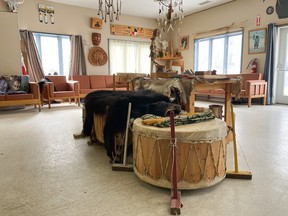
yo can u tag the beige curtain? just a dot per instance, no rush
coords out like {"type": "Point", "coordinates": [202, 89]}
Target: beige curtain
{"type": "Point", "coordinates": [129, 56]}
{"type": "Point", "coordinates": [77, 61]}
{"type": "Point", "coordinates": [34, 66]}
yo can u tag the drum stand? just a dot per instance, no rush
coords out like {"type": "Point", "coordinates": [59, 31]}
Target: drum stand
{"type": "Point", "coordinates": [124, 166]}
{"type": "Point", "coordinates": [236, 174]}
{"type": "Point", "coordinates": [175, 202]}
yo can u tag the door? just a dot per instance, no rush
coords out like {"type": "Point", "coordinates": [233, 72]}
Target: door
{"type": "Point", "coordinates": [282, 66]}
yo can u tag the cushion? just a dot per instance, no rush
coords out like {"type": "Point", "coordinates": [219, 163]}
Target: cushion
{"type": "Point", "coordinates": [84, 81]}
{"type": "Point", "coordinates": [60, 82]}
{"type": "Point", "coordinates": [25, 83]}
{"type": "Point", "coordinates": [14, 83]}
{"type": "Point", "coordinates": [109, 81]}
{"type": "Point", "coordinates": [97, 81]}
{"type": "Point", "coordinates": [4, 80]}
{"type": "Point", "coordinates": [16, 92]}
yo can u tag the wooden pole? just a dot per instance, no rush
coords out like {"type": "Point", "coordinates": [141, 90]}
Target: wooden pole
{"type": "Point", "coordinates": [236, 174]}
{"type": "Point", "coordinates": [124, 166]}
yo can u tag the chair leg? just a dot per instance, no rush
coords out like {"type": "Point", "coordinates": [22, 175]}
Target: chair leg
{"type": "Point", "coordinates": [49, 104]}
{"type": "Point", "coordinates": [39, 104]}
{"type": "Point", "coordinates": [249, 101]}
{"type": "Point", "coordinates": [42, 101]}
{"type": "Point", "coordinates": [264, 100]}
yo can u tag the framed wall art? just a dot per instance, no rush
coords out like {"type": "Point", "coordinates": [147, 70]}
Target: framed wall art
{"type": "Point", "coordinates": [184, 42]}
{"type": "Point", "coordinates": [96, 23]}
{"type": "Point", "coordinates": [132, 31]}
{"type": "Point", "coordinates": [257, 41]}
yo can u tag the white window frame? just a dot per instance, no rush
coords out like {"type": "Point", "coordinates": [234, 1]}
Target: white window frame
{"type": "Point", "coordinates": [226, 48]}
{"type": "Point", "coordinates": [37, 37]}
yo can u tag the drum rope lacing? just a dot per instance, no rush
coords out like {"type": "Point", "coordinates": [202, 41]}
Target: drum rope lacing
{"type": "Point", "coordinates": [182, 178]}
{"type": "Point", "coordinates": [208, 140]}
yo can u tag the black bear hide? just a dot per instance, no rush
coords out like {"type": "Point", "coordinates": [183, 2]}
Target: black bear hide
{"type": "Point", "coordinates": [114, 104]}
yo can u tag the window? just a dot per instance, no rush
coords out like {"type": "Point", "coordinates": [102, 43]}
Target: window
{"type": "Point", "coordinates": [54, 51]}
{"type": "Point", "coordinates": [129, 56]}
{"type": "Point", "coordinates": [221, 53]}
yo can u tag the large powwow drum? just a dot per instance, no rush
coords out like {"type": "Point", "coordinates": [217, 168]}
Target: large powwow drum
{"type": "Point", "coordinates": [201, 154]}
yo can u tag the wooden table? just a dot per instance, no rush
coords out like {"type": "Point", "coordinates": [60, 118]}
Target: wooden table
{"type": "Point", "coordinates": [226, 85]}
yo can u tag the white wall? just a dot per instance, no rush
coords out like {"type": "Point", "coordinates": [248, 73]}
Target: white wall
{"type": "Point", "coordinates": [237, 12]}
{"type": "Point", "coordinates": [76, 21]}
{"type": "Point", "coordinates": [10, 56]}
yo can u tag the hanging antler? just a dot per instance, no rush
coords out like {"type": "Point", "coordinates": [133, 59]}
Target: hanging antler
{"type": "Point", "coordinates": [13, 4]}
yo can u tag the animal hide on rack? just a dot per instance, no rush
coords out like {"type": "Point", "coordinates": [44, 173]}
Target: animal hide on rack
{"type": "Point", "coordinates": [181, 88]}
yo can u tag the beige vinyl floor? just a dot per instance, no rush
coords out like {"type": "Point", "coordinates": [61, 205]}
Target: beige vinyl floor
{"type": "Point", "coordinates": [44, 171]}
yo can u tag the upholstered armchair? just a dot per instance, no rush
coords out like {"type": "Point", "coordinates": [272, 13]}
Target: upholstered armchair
{"type": "Point", "coordinates": [59, 87]}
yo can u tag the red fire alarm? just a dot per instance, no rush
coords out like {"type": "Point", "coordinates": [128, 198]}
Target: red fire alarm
{"type": "Point", "coordinates": [258, 20]}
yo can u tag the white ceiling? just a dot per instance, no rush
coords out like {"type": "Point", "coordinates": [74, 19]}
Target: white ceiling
{"type": "Point", "coordinates": [148, 8]}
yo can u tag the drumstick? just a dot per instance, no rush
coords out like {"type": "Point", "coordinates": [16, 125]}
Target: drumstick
{"type": "Point", "coordinates": [175, 202]}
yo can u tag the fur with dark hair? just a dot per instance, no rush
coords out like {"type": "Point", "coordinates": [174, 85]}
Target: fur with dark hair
{"type": "Point", "coordinates": [114, 104]}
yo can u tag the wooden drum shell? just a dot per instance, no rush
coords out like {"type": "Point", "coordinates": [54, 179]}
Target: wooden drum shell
{"type": "Point", "coordinates": [201, 154]}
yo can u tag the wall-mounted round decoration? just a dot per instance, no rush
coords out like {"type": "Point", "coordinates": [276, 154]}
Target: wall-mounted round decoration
{"type": "Point", "coordinates": [97, 56]}
{"type": "Point", "coordinates": [270, 10]}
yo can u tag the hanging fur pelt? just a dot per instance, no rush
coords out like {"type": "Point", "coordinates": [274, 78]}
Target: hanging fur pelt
{"type": "Point", "coordinates": [114, 104]}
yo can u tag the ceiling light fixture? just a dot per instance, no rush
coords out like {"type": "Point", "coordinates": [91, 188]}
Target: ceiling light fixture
{"type": "Point", "coordinates": [170, 13]}
{"type": "Point", "coordinates": [108, 9]}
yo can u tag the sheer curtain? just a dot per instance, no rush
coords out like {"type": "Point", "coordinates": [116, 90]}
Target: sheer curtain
{"type": "Point", "coordinates": [129, 56]}
{"type": "Point", "coordinates": [34, 67]}
{"type": "Point", "coordinates": [77, 61]}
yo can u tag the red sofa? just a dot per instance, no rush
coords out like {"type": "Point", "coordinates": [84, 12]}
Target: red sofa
{"type": "Point", "coordinates": [253, 86]}
{"type": "Point", "coordinates": [19, 95]}
{"type": "Point", "coordinates": [90, 83]}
